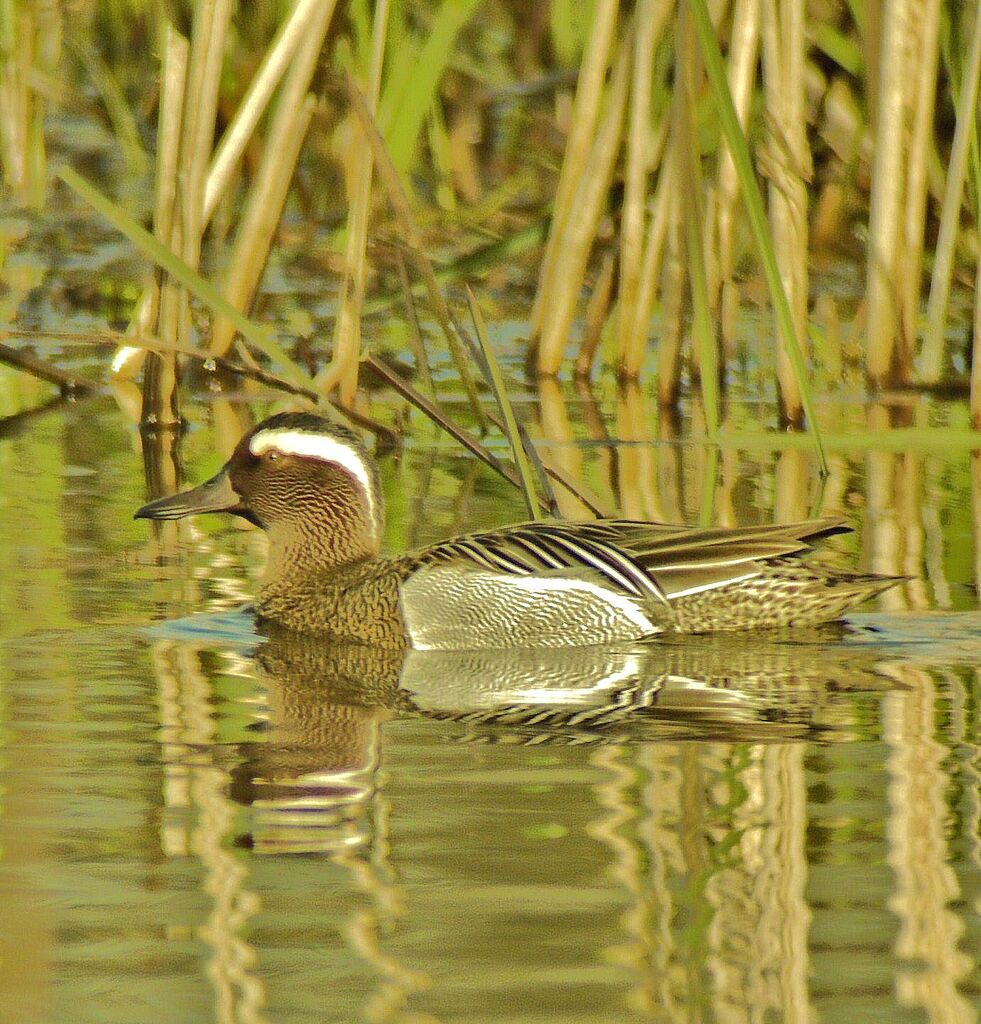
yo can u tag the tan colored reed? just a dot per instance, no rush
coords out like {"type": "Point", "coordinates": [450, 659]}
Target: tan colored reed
{"type": "Point", "coordinates": [788, 166]}
{"type": "Point", "coordinates": [268, 192]}
{"type": "Point", "coordinates": [582, 128]}
{"type": "Point", "coordinates": [343, 370]}
{"type": "Point", "coordinates": [744, 39]}
{"type": "Point", "coordinates": [302, 20]}
{"type": "Point", "coordinates": [634, 344]}
{"type": "Point", "coordinates": [924, 61]}
{"type": "Point", "coordinates": [651, 18]}
{"type": "Point", "coordinates": [575, 242]}
{"type": "Point", "coordinates": [888, 189]}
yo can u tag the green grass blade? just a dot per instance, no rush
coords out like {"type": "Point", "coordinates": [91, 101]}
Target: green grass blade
{"type": "Point", "coordinates": [259, 337]}
{"type": "Point", "coordinates": [410, 108]}
{"type": "Point", "coordinates": [521, 460]}
{"type": "Point", "coordinates": [753, 199]}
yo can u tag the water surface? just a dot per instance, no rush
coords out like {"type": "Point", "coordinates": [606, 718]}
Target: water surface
{"type": "Point", "coordinates": [198, 823]}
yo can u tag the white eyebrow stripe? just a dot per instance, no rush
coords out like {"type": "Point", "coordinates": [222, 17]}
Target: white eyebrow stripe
{"type": "Point", "coordinates": [324, 448]}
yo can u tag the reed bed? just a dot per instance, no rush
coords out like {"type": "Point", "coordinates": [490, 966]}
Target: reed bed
{"type": "Point", "coordinates": [652, 164]}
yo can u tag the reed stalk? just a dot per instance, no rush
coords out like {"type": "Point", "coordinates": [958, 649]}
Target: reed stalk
{"type": "Point", "coordinates": [744, 38]}
{"type": "Point", "coordinates": [754, 207]}
{"type": "Point", "coordinates": [199, 103]}
{"type": "Point", "coordinates": [675, 273]}
{"type": "Point", "coordinates": [595, 317]}
{"type": "Point", "coordinates": [415, 331]}
{"type": "Point", "coordinates": [943, 265]}
{"type": "Point", "coordinates": [631, 354]}
{"type": "Point", "coordinates": [925, 63]}
{"type": "Point", "coordinates": [888, 189]}
{"type": "Point", "coordinates": [582, 128]}
{"type": "Point", "coordinates": [343, 370]}
{"type": "Point", "coordinates": [267, 195]}
{"type": "Point", "coordinates": [651, 19]}
{"type": "Point", "coordinates": [788, 166]}
{"type": "Point", "coordinates": [576, 239]}
{"type": "Point", "coordinates": [198, 126]}
{"type": "Point", "coordinates": [160, 307]}
{"type": "Point", "coordinates": [21, 109]}
{"type": "Point", "coordinates": [302, 20]}
{"type": "Point", "coordinates": [128, 359]}
{"type": "Point", "coordinates": [690, 162]}
{"type": "Point", "coordinates": [975, 400]}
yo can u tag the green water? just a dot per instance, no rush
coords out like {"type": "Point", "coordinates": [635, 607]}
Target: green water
{"type": "Point", "coordinates": [196, 826]}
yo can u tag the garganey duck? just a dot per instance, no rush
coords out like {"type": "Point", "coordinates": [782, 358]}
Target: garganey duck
{"type": "Point", "coordinates": [312, 486]}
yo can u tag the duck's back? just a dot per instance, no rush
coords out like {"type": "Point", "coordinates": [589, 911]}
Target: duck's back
{"type": "Point", "coordinates": [552, 584]}
{"type": "Point", "coordinates": [556, 584]}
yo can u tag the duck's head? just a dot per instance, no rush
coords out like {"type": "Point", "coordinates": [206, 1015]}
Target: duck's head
{"type": "Point", "coordinates": [307, 481]}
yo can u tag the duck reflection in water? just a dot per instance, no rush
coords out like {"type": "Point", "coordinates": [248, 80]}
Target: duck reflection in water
{"type": "Point", "coordinates": [312, 773]}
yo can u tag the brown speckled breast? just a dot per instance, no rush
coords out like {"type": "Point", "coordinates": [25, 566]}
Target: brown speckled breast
{"type": "Point", "coordinates": [354, 602]}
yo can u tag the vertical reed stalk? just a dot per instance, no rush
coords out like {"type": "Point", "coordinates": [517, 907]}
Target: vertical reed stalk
{"type": "Point", "coordinates": [924, 62]}
{"type": "Point", "coordinates": [744, 40]}
{"type": "Point", "coordinates": [753, 201]}
{"type": "Point", "coordinates": [888, 186]}
{"type": "Point", "coordinates": [16, 38]}
{"type": "Point", "coordinates": [343, 370]}
{"type": "Point", "coordinates": [943, 266]}
{"type": "Point", "coordinates": [127, 360]}
{"type": "Point", "coordinates": [673, 285]}
{"type": "Point", "coordinates": [631, 356]}
{"type": "Point", "coordinates": [582, 127]}
{"type": "Point", "coordinates": [690, 162]}
{"type": "Point", "coordinates": [651, 17]}
{"type": "Point", "coordinates": [788, 166]}
{"type": "Point", "coordinates": [267, 196]}
{"type": "Point", "coordinates": [158, 309]}
{"type": "Point", "coordinates": [200, 108]}
{"type": "Point", "coordinates": [976, 362]}
{"type": "Point", "coordinates": [579, 231]}
{"type": "Point", "coordinates": [596, 312]}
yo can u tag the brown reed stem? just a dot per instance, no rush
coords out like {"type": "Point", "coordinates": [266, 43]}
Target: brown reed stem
{"type": "Point", "coordinates": [67, 383]}
{"type": "Point", "coordinates": [597, 309]}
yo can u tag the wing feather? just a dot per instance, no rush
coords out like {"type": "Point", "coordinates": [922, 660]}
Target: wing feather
{"type": "Point", "coordinates": [653, 561]}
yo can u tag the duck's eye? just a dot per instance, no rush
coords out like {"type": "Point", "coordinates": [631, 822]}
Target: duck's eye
{"type": "Point", "coordinates": [272, 456]}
